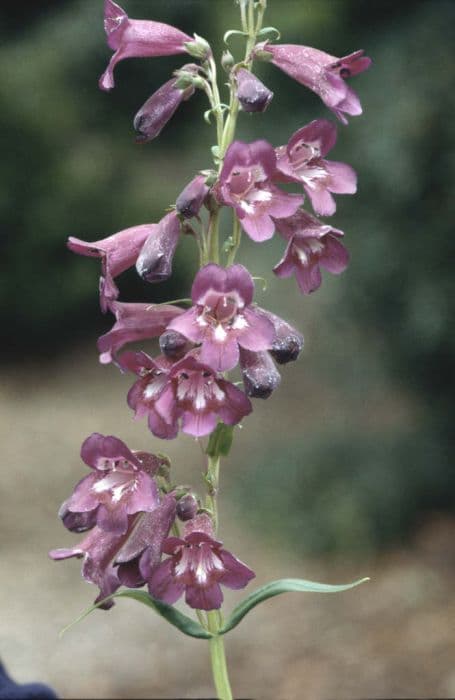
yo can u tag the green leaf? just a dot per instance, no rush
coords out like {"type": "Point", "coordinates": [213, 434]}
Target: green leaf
{"type": "Point", "coordinates": [270, 30]}
{"type": "Point", "coordinates": [233, 32]}
{"type": "Point", "coordinates": [220, 441]}
{"type": "Point", "coordinates": [184, 623]}
{"type": "Point", "coordinates": [284, 585]}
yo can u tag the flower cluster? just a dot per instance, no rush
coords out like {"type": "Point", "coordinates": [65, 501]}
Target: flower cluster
{"type": "Point", "coordinates": [128, 503]}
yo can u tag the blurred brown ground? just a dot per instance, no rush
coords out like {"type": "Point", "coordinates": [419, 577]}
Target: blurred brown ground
{"type": "Point", "coordinates": [392, 637]}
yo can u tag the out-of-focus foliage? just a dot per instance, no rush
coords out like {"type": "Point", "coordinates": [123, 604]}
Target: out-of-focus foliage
{"type": "Point", "coordinates": [70, 167]}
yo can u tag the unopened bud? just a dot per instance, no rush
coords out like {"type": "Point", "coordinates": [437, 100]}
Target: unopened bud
{"type": "Point", "coordinates": [154, 263]}
{"type": "Point", "coordinates": [260, 376]}
{"type": "Point", "coordinates": [253, 95]}
{"type": "Point", "coordinates": [288, 342]}
{"type": "Point", "coordinates": [227, 61]}
{"type": "Point", "coordinates": [187, 507]}
{"type": "Point", "coordinates": [77, 522]}
{"type": "Point", "coordinates": [173, 344]}
{"type": "Point", "coordinates": [190, 200]}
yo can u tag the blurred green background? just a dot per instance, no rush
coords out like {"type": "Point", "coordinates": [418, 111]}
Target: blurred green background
{"type": "Point", "coordinates": [351, 457]}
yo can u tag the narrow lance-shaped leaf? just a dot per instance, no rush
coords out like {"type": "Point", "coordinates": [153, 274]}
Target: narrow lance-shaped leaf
{"type": "Point", "coordinates": [184, 623]}
{"type": "Point", "coordinates": [284, 585]}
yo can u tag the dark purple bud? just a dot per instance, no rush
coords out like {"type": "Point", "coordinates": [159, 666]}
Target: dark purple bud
{"type": "Point", "coordinates": [260, 376]}
{"type": "Point", "coordinates": [159, 109]}
{"type": "Point", "coordinates": [77, 522]}
{"type": "Point", "coordinates": [154, 263]}
{"type": "Point", "coordinates": [187, 507]}
{"type": "Point", "coordinates": [190, 200]}
{"type": "Point", "coordinates": [253, 95]}
{"type": "Point", "coordinates": [173, 344]}
{"type": "Point", "coordinates": [288, 341]}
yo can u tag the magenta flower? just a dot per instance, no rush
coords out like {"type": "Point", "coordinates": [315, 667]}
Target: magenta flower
{"type": "Point", "coordinates": [161, 107]}
{"type": "Point", "coordinates": [154, 263]}
{"type": "Point", "coordinates": [260, 376]}
{"type": "Point", "coordinates": [322, 73]}
{"type": "Point", "coordinates": [246, 185]}
{"type": "Point", "coordinates": [132, 38]}
{"type": "Point", "coordinates": [311, 245]}
{"type": "Point", "coordinates": [302, 160]}
{"type": "Point", "coordinates": [121, 484]}
{"type": "Point", "coordinates": [223, 317]}
{"type": "Point", "coordinates": [134, 322]}
{"type": "Point", "coordinates": [117, 252]}
{"type": "Point", "coordinates": [198, 565]}
{"type": "Point", "coordinates": [191, 198]}
{"type": "Point", "coordinates": [252, 94]}
{"type": "Point", "coordinates": [112, 560]}
{"type": "Point", "coordinates": [187, 393]}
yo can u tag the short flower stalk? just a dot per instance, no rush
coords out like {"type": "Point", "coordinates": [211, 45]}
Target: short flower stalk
{"type": "Point", "coordinates": [141, 529]}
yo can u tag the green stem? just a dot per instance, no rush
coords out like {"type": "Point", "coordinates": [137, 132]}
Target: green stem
{"type": "Point", "coordinates": [236, 238]}
{"type": "Point", "coordinates": [218, 658]}
{"type": "Point", "coordinates": [213, 236]}
{"type": "Point", "coordinates": [213, 475]}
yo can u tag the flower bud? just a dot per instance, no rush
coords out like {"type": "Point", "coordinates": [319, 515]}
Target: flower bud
{"type": "Point", "coordinates": [187, 507]}
{"type": "Point", "coordinates": [191, 198]}
{"type": "Point", "coordinates": [154, 263]}
{"type": "Point", "coordinates": [173, 344]}
{"type": "Point", "coordinates": [288, 341]}
{"type": "Point", "coordinates": [160, 107]}
{"type": "Point", "coordinates": [260, 376]}
{"type": "Point", "coordinates": [227, 61]}
{"type": "Point", "coordinates": [253, 95]}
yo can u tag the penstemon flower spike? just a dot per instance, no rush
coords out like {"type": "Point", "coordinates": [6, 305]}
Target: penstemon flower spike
{"type": "Point", "coordinates": [142, 529]}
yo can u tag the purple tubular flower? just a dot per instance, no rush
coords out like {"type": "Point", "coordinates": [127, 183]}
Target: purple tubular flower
{"type": "Point", "coordinates": [253, 95]}
{"type": "Point", "coordinates": [99, 550]}
{"type": "Point", "coordinates": [223, 317]}
{"type": "Point", "coordinates": [159, 109]}
{"type": "Point", "coordinates": [288, 341]}
{"type": "Point", "coordinates": [154, 263]}
{"type": "Point", "coordinates": [134, 322]}
{"type": "Point", "coordinates": [131, 38]}
{"type": "Point", "coordinates": [191, 198]}
{"type": "Point", "coordinates": [187, 392]}
{"type": "Point", "coordinates": [302, 160]}
{"type": "Point", "coordinates": [117, 252]}
{"type": "Point", "coordinates": [246, 185]}
{"type": "Point", "coordinates": [311, 245]}
{"type": "Point", "coordinates": [260, 376]}
{"type": "Point", "coordinates": [113, 560]}
{"type": "Point", "coordinates": [198, 565]}
{"type": "Point", "coordinates": [322, 73]}
{"type": "Point", "coordinates": [121, 485]}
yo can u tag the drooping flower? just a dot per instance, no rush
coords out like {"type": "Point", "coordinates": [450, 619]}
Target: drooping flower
{"type": "Point", "coordinates": [154, 263]}
{"type": "Point", "coordinates": [117, 252]}
{"type": "Point", "coordinates": [302, 160]}
{"type": "Point", "coordinates": [131, 38]}
{"type": "Point", "coordinates": [161, 107]}
{"type": "Point", "coordinates": [322, 73]}
{"type": "Point", "coordinates": [134, 322]}
{"type": "Point", "coordinates": [112, 560]}
{"type": "Point", "coordinates": [246, 185]}
{"type": "Point", "coordinates": [252, 94]}
{"type": "Point", "coordinates": [191, 198]}
{"type": "Point", "coordinates": [288, 341]}
{"type": "Point", "coordinates": [260, 376]}
{"type": "Point", "coordinates": [223, 317]}
{"type": "Point", "coordinates": [120, 485]}
{"type": "Point", "coordinates": [197, 565]}
{"type": "Point", "coordinates": [187, 393]}
{"type": "Point", "coordinates": [311, 245]}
